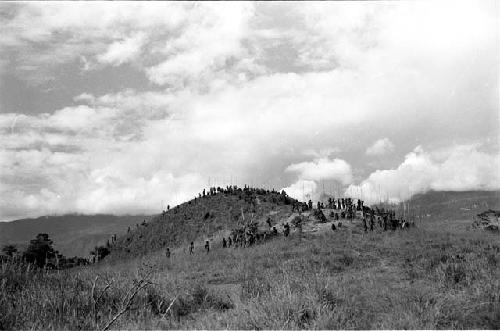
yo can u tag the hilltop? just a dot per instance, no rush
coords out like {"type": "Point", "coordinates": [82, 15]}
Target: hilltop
{"type": "Point", "coordinates": [206, 217]}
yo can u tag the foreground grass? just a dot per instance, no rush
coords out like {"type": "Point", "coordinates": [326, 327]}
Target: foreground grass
{"type": "Point", "coordinates": [436, 276]}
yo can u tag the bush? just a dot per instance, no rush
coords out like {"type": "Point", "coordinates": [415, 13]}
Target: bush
{"type": "Point", "coordinates": [39, 250]}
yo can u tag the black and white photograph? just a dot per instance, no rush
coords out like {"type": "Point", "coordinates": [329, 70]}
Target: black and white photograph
{"type": "Point", "coordinates": [261, 165]}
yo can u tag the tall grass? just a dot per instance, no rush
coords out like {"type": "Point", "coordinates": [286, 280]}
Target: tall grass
{"type": "Point", "coordinates": [427, 277]}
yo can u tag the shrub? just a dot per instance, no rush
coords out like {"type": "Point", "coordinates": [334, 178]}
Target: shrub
{"type": "Point", "coordinates": [39, 250]}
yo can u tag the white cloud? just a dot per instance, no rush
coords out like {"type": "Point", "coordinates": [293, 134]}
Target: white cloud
{"type": "Point", "coordinates": [458, 168]}
{"type": "Point", "coordinates": [214, 35]}
{"type": "Point", "coordinates": [123, 51]}
{"type": "Point", "coordinates": [323, 169]}
{"type": "Point", "coordinates": [254, 88]}
{"type": "Point", "coordinates": [318, 170]}
{"type": "Point", "coordinates": [380, 147]}
{"type": "Point", "coordinates": [302, 190]}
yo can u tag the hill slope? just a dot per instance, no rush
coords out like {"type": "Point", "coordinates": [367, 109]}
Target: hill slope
{"type": "Point", "coordinates": [72, 234]}
{"type": "Point", "coordinates": [205, 218]}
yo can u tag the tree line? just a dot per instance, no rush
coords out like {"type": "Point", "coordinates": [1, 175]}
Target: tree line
{"type": "Point", "coordinates": [40, 253]}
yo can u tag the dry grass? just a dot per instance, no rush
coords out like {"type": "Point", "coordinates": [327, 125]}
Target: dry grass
{"type": "Point", "coordinates": [436, 276]}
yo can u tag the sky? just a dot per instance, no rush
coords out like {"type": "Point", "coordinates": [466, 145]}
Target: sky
{"type": "Point", "coordinates": [125, 107]}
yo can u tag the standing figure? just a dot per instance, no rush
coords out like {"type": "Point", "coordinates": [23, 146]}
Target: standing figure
{"type": "Point", "coordinates": [286, 231]}
{"type": "Point", "coordinates": [224, 243]}
{"type": "Point", "coordinates": [191, 248]}
{"type": "Point", "coordinates": [364, 224]}
{"type": "Point", "coordinates": [167, 253]}
{"type": "Point", "coordinates": [229, 242]}
{"type": "Point", "coordinates": [207, 246]}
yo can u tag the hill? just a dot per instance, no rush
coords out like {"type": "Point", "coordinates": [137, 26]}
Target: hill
{"type": "Point", "coordinates": [437, 275]}
{"type": "Point", "coordinates": [450, 205]}
{"type": "Point", "coordinates": [207, 217]}
{"type": "Point", "coordinates": [73, 235]}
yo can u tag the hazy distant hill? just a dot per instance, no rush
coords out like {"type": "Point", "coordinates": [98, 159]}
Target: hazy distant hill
{"type": "Point", "coordinates": [72, 234]}
{"type": "Point", "coordinates": [454, 205]}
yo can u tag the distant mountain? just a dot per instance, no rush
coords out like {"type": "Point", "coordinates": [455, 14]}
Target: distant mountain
{"type": "Point", "coordinates": [454, 205]}
{"type": "Point", "coordinates": [73, 235]}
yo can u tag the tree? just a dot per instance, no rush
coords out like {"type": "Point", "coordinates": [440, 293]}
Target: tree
{"type": "Point", "coordinates": [40, 250]}
{"type": "Point", "coordinates": [9, 250]}
{"type": "Point", "coordinates": [100, 252]}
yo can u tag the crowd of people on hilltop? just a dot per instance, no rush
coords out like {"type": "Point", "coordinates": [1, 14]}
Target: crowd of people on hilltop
{"type": "Point", "coordinates": [246, 193]}
{"type": "Point", "coordinates": [250, 234]}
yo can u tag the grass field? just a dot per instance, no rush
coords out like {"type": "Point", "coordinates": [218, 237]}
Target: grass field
{"type": "Point", "coordinates": [435, 276]}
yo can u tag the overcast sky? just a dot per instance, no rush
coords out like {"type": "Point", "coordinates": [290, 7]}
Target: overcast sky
{"type": "Point", "coordinates": [120, 107]}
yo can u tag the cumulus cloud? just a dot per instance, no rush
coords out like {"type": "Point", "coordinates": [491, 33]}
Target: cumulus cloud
{"type": "Point", "coordinates": [123, 51]}
{"type": "Point", "coordinates": [320, 170]}
{"type": "Point", "coordinates": [380, 147]}
{"type": "Point", "coordinates": [240, 88]}
{"type": "Point", "coordinates": [458, 168]}
{"type": "Point", "coordinates": [302, 190]}
{"type": "Point", "coordinates": [214, 36]}
{"type": "Point", "coordinates": [323, 169]}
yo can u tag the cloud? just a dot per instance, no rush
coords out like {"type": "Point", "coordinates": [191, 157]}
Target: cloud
{"type": "Point", "coordinates": [123, 51]}
{"type": "Point", "coordinates": [302, 190]}
{"type": "Point", "coordinates": [41, 38]}
{"type": "Point", "coordinates": [212, 38]}
{"type": "Point", "coordinates": [380, 147]}
{"type": "Point", "coordinates": [323, 169]}
{"type": "Point", "coordinates": [246, 89]}
{"type": "Point", "coordinates": [457, 168]}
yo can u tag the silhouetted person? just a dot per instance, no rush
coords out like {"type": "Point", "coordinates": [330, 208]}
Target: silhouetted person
{"type": "Point", "coordinates": [333, 227]}
{"type": "Point", "coordinates": [224, 243]}
{"type": "Point", "coordinates": [167, 253]}
{"type": "Point", "coordinates": [229, 242]}
{"type": "Point", "coordinates": [207, 246]}
{"type": "Point", "coordinates": [191, 248]}
{"type": "Point", "coordinates": [286, 231]}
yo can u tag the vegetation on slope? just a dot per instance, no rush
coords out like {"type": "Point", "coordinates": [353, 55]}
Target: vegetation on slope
{"type": "Point", "coordinates": [436, 276]}
{"type": "Point", "coordinates": [202, 218]}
